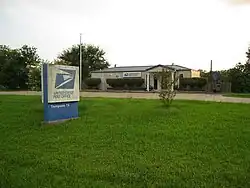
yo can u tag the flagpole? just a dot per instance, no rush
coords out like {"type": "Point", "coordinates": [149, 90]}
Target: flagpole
{"type": "Point", "coordinates": [80, 69]}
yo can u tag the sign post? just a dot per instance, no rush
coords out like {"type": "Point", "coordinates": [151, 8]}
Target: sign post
{"type": "Point", "coordinates": [60, 92]}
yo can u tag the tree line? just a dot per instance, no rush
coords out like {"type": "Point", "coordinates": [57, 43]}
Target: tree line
{"type": "Point", "coordinates": [239, 76]}
{"type": "Point", "coordinates": [20, 68]}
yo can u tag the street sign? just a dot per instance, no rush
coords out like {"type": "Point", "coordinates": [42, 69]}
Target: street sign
{"type": "Point", "coordinates": [215, 76]}
{"type": "Point", "coordinates": [60, 92]}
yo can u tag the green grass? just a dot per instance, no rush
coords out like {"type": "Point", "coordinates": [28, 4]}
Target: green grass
{"type": "Point", "coordinates": [238, 95]}
{"type": "Point", "coordinates": [125, 143]}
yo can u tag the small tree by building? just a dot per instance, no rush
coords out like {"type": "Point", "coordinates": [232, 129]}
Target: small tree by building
{"type": "Point", "coordinates": [167, 81]}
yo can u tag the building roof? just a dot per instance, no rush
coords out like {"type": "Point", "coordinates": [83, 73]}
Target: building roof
{"type": "Point", "coordinates": [140, 68]}
{"type": "Point", "coordinates": [178, 67]}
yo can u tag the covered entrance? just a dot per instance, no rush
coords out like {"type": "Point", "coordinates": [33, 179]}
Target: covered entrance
{"type": "Point", "coordinates": [152, 81]}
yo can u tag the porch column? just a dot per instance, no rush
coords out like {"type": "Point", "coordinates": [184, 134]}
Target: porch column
{"type": "Point", "coordinates": [103, 85]}
{"type": "Point", "coordinates": [159, 83]}
{"type": "Point", "coordinates": [178, 81]}
{"type": "Point", "coordinates": [172, 79]}
{"type": "Point", "coordinates": [148, 81]}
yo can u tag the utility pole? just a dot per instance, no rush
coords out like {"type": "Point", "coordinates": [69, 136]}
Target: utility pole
{"type": "Point", "coordinates": [211, 76]}
{"type": "Point", "coordinates": [211, 66]}
{"type": "Point", "coordinates": [80, 69]}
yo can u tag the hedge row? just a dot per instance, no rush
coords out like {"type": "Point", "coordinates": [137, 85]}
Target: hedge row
{"type": "Point", "coordinates": [125, 82]}
{"type": "Point", "coordinates": [2, 88]}
{"type": "Point", "coordinates": [92, 82]}
{"type": "Point", "coordinates": [192, 83]}
{"type": "Point", "coordinates": [133, 83]}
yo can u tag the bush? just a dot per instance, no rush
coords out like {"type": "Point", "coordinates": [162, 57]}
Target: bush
{"type": "Point", "coordinates": [2, 88]}
{"type": "Point", "coordinates": [167, 93]}
{"type": "Point", "coordinates": [34, 79]}
{"type": "Point", "coordinates": [134, 82]}
{"type": "Point", "coordinates": [115, 83]}
{"type": "Point", "coordinates": [125, 83]}
{"type": "Point", "coordinates": [92, 82]}
{"type": "Point", "coordinates": [192, 83]}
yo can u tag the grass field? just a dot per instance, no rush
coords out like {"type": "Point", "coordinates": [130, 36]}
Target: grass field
{"type": "Point", "coordinates": [238, 95]}
{"type": "Point", "coordinates": [125, 143]}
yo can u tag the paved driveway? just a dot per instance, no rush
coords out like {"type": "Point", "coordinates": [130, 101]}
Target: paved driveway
{"type": "Point", "coordinates": [185, 96]}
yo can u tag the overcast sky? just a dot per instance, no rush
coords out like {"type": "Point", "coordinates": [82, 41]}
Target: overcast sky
{"type": "Point", "coordinates": [133, 32]}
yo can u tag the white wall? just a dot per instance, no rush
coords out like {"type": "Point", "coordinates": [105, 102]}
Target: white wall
{"type": "Point", "coordinates": [186, 73]}
{"type": "Point", "coordinates": [114, 75]}
{"type": "Point", "coordinates": [195, 73]}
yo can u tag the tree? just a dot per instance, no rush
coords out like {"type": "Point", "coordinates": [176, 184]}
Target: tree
{"type": "Point", "coordinates": [239, 77]}
{"type": "Point", "coordinates": [34, 78]}
{"type": "Point", "coordinates": [247, 65]}
{"type": "Point", "coordinates": [204, 73]}
{"type": "Point", "coordinates": [30, 60]}
{"type": "Point", "coordinates": [15, 65]}
{"type": "Point", "coordinates": [92, 56]}
{"type": "Point", "coordinates": [167, 92]}
{"type": "Point", "coordinates": [10, 68]}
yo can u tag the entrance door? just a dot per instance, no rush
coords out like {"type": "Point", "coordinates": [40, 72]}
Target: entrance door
{"type": "Point", "coordinates": [155, 83]}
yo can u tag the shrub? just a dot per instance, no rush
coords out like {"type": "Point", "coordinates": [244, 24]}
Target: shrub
{"type": "Point", "coordinates": [192, 83]}
{"type": "Point", "coordinates": [34, 78]}
{"type": "Point", "coordinates": [136, 82]}
{"type": "Point", "coordinates": [125, 83]}
{"type": "Point", "coordinates": [2, 88]}
{"type": "Point", "coordinates": [92, 82]}
{"type": "Point", "coordinates": [167, 93]}
{"type": "Point", "coordinates": [116, 83]}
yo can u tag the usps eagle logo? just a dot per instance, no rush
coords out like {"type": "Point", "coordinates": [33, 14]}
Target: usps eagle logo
{"type": "Point", "coordinates": [65, 79]}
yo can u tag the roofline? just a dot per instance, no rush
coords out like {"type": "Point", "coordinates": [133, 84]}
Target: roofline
{"type": "Point", "coordinates": [187, 69]}
{"type": "Point", "coordinates": [134, 66]}
{"type": "Point", "coordinates": [163, 66]}
{"type": "Point", "coordinates": [152, 67]}
{"type": "Point", "coordinates": [184, 68]}
{"type": "Point", "coordinates": [100, 71]}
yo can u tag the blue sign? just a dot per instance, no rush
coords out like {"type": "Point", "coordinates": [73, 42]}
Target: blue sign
{"type": "Point", "coordinates": [60, 92]}
{"type": "Point", "coordinates": [215, 76]}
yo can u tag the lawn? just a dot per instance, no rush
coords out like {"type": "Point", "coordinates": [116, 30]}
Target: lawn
{"type": "Point", "coordinates": [238, 95]}
{"type": "Point", "coordinates": [125, 143]}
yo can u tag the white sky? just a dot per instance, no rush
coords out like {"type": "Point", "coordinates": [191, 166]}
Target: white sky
{"type": "Point", "coordinates": [133, 32]}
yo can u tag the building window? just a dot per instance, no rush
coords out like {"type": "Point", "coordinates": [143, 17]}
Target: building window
{"type": "Point", "coordinates": [181, 76]}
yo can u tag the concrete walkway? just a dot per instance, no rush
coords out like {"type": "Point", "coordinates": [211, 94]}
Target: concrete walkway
{"type": "Point", "coordinates": [185, 96]}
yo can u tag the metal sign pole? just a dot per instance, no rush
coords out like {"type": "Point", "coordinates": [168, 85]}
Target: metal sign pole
{"type": "Point", "coordinates": [211, 77]}
{"type": "Point", "coordinates": [80, 68]}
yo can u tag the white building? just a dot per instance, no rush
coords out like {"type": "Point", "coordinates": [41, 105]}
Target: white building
{"type": "Point", "coordinates": [144, 72]}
